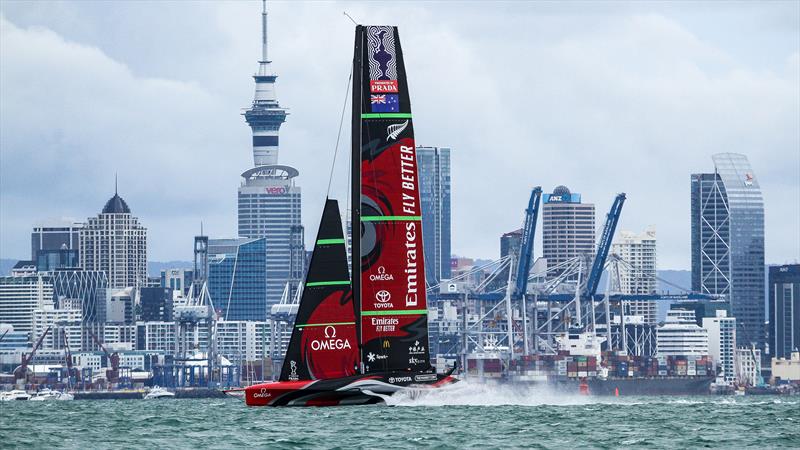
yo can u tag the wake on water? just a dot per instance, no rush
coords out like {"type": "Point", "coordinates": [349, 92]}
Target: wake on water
{"type": "Point", "coordinates": [466, 393]}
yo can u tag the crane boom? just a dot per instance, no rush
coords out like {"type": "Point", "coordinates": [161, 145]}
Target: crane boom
{"type": "Point", "coordinates": [604, 245]}
{"type": "Point", "coordinates": [526, 243]}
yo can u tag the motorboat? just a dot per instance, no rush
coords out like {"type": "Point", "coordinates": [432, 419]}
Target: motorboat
{"type": "Point", "coordinates": [48, 394]}
{"type": "Point", "coordinates": [16, 394]}
{"type": "Point", "coordinates": [158, 392]}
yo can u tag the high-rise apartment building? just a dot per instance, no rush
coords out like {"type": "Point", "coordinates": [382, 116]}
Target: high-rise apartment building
{"type": "Point", "coordinates": [784, 310]}
{"type": "Point", "coordinates": [237, 278]}
{"type": "Point", "coordinates": [55, 244]}
{"type": "Point", "coordinates": [568, 227]}
{"type": "Point", "coordinates": [268, 199]}
{"type": "Point", "coordinates": [722, 343]}
{"type": "Point", "coordinates": [116, 243]}
{"type": "Point", "coordinates": [727, 218]}
{"type": "Point", "coordinates": [21, 296]}
{"type": "Point", "coordinates": [433, 164]}
{"type": "Point", "coordinates": [638, 276]}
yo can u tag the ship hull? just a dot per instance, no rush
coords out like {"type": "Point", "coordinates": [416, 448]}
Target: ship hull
{"type": "Point", "coordinates": [645, 386]}
{"type": "Point", "coordinates": [355, 390]}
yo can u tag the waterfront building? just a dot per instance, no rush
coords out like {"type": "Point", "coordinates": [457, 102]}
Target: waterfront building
{"type": "Point", "coordinates": [722, 343]}
{"type": "Point", "coordinates": [22, 295]}
{"type": "Point", "coordinates": [156, 336]}
{"type": "Point", "coordinates": [433, 165]}
{"type": "Point", "coordinates": [237, 278]}
{"type": "Point", "coordinates": [55, 319]}
{"type": "Point", "coordinates": [237, 340]}
{"type": "Point", "coordinates": [681, 336]}
{"type": "Point", "coordinates": [119, 337]}
{"type": "Point", "coordinates": [748, 366]}
{"type": "Point", "coordinates": [177, 279]}
{"type": "Point", "coordinates": [269, 201]}
{"type": "Point", "coordinates": [156, 304]}
{"type": "Point", "coordinates": [727, 222]}
{"type": "Point", "coordinates": [784, 310]}
{"type": "Point", "coordinates": [568, 228]}
{"type": "Point", "coordinates": [116, 243]}
{"type": "Point", "coordinates": [787, 369]}
{"type": "Point", "coordinates": [639, 275]}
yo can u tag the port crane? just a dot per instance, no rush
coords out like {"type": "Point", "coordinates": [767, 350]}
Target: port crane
{"type": "Point", "coordinates": [112, 374]}
{"type": "Point", "coordinates": [21, 372]}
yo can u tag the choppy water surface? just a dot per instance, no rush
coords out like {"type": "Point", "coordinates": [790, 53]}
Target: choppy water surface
{"type": "Point", "coordinates": [462, 416]}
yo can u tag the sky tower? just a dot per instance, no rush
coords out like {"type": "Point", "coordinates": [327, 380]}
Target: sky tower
{"type": "Point", "coordinates": [268, 200]}
{"type": "Point", "coordinates": [265, 116]}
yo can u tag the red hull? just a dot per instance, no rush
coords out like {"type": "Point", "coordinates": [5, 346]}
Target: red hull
{"type": "Point", "coordinates": [355, 390]}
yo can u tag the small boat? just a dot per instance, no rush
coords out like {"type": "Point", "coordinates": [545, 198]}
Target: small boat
{"type": "Point", "coordinates": [158, 392]}
{"type": "Point", "coordinates": [48, 394]}
{"type": "Point", "coordinates": [357, 340]}
{"type": "Point", "coordinates": [15, 394]}
{"type": "Point", "coordinates": [45, 395]}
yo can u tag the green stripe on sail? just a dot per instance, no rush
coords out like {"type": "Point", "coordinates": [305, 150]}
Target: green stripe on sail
{"type": "Point", "coordinates": [402, 312]}
{"type": "Point", "coordinates": [330, 324]}
{"type": "Point", "coordinates": [330, 241]}
{"type": "Point", "coordinates": [390, 218]}
{"type": "Point", "coordinates": [386, 115]}
{"type": "Point", "coordinates": [327, 283]}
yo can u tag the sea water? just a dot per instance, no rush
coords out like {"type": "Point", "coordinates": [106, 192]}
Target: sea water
{"type": "Point", "coordinates": [461, 416]}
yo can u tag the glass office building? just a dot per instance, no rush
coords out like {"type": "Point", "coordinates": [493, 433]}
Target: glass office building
{"type": "Point", "coordinates": [433, 164]}
{"type": "Point", "coordinates": [727, 214]}
{"type": "Point", "coordinates": [784, 310]}
{"type": "Point", "coordinates": [237, 278]}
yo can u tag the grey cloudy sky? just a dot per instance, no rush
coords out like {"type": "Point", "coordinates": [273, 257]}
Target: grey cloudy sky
{"type": "Point", "coordinates": [603, 97]}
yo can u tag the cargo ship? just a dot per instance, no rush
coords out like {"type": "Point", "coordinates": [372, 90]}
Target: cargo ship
{"type": "Point", "coordinates": [597, 373]}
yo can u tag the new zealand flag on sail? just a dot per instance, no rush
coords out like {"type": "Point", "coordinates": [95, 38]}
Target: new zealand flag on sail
{"type": "Point", "coordinates": [385, 103]}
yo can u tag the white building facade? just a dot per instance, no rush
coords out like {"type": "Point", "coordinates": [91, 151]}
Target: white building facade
{"type": "Point", "coordinates": [639, 275]}
{"type": "Point", "coordinates": [722, 343]}
{"type": "Point", "coordinates": [21, 296]}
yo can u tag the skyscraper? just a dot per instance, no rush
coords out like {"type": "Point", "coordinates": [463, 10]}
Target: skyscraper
{"type": "Point", "coordinates": [55, 244]}
{"type": "Point", "coordinates": [268, 199]}
{"type": "Point", "coordinates": [784, 310]}
{"type": "Point", "coordinates": [21, 296]}
{"type": "Point", "coordinates": [434, 185]}
{"type": "Point", "coordinates": [237, 278]}
{"type": "Point", "coordinates": [567, 227]}
{"type": "Point", "coordinates": [727, 214]}
{"type": "Point", "coordinates": [638, 250]}
{"type": "Point", "coordinates": [116, 243]}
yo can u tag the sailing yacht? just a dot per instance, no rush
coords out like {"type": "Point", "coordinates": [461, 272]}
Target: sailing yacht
{"type": "Point", "coordinates": [357, 340]}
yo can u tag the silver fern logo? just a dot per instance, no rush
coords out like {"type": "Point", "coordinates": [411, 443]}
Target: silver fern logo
{"type": "Point", "coordinates": [394, 130]}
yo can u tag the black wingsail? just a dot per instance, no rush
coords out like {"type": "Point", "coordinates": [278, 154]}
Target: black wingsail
{"type": "Point", "coordinates": [389, 282]}
{"type": "Point", "coordinates": [324, 343]}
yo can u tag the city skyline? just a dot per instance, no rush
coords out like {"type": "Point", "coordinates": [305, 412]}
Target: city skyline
{"type": "Point", "coordinates": [745, 100]}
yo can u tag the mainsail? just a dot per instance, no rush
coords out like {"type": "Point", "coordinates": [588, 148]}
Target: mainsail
{"type": "Point", "coordinates": [389, 282]}
{"type": "Point", "coordinates": [323, 343]}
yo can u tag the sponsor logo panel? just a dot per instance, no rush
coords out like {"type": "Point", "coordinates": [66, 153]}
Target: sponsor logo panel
{"type": "Point", "coordinates": [393, 380]}
{"type": "Point", "coordinates": [425, 377]}
{"type": "Point", "coordinates": [383, 86]}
